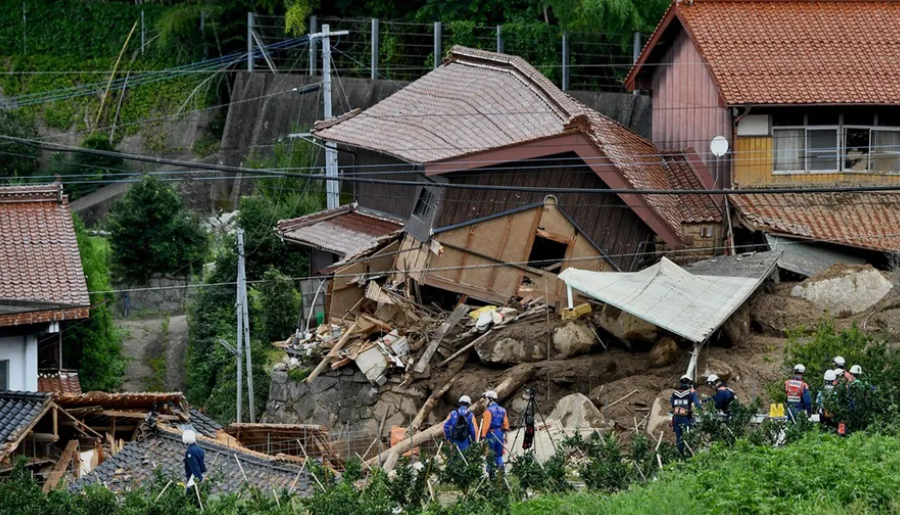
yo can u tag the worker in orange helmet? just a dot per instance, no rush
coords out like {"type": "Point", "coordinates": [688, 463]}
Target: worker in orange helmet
{"type": "Point", "coordinates": [494, 427]}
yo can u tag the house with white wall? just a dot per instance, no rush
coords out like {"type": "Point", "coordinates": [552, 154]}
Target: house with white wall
{"type": "Point", "coordinates": [42, 283]}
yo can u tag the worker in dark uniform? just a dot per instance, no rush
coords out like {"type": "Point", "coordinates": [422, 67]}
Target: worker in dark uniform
{"type": "Point", "coordinates": [723, 397]}
{"type": "Point", "coordinates": [683, 401]}
{"type": "Point", "coordinates": [194, 463]}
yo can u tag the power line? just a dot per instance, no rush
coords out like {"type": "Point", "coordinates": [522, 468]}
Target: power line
{"type": "Point", "coordinates": [482, 187]}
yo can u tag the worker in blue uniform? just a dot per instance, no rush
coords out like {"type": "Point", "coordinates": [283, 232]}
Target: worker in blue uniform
{"type": "Point", "coordinates": [723, 396]}
{"type": "Point", "coordinates": [494, 427]}
{"type": "Point", "coordinates": [459, 428]}
{"type": "Point", "coordinates": [684, 400]}
{"type": "Point", "coordinates": [194, 462]}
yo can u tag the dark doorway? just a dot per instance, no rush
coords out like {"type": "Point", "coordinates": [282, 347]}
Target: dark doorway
{"type": "Point", "coordinates": [546, 252]}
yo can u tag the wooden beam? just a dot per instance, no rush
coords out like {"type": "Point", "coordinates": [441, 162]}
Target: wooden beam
{"type": "Point", "coordinates": [466, 348]}
{"type": "Point", "coordinates": [79, 424]}
{"type": "Point", "coordinates": [334, 352]}
{"type": "Point", "coordinates": [439, 335]}
{"type": "Point", "coordinates": [61, 465]}
{"type": "Point", "coordinates": [43, 437]}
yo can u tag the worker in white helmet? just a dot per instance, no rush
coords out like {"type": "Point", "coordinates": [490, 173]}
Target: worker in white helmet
{"type": "Point", "coordinates": [494, 427]}
{"type": "Point", "coordinates": [723, 396]}
{"type": "Point", "coordinates": [459, 428]}
{"type": "Point", "coordinates": [194, 461]}
{"type": "Point", "coordinates": [840, 370]}
{"type": "Point", "coordinates": [683, 401]}
{"type": "Point", "coordinates": [799, 400]}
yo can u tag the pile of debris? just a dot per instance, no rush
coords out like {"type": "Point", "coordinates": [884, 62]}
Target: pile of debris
{"type": "Point", "coordinates": [393, 334]}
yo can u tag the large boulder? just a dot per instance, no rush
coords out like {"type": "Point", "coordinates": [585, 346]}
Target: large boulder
{"type": "Point", "coordinates": [573, 339]}
{"type": "Point", "coordinates": [626, 327]}
{"type": "Point", "coordinates": [844, 290]}
{"type": "Point", "coordinates": [737, 327]}
{"type": "Point", "coordinates": [664, 352]}
{"type": "Point", "coordinates": [508, 350]}
{"type": "Point", "coordinates": [576, 411]}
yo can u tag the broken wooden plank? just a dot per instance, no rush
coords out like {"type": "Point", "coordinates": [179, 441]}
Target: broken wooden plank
{"type": "Point", "coordinates": [61, 466]}
{"type": "Point", "coordinates": [613, 403]}
{"type": "Point", "coordinates": [429, 404]}
{"type": "Point", "coordinates": [439, 335]}
{"type": "Point", "coordinates": [464, 349]}
{"type": "Point", "coordinates": [331, 354]}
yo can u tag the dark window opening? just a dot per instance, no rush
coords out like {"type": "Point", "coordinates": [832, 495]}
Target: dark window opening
{"type": "Point", "coordinates": [4, 374]}
{"type": "Point", "coordinates": [48, 351]}
{"type": "Point", "coordinates": [424, 203]}
{"type": "Point", "coordinates": [856, 149]}
{"type": "Point", "coordinates": [545, 253]}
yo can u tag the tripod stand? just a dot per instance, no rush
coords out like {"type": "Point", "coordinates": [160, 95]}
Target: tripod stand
{"type": "Point", "coordinates": [528, 418]}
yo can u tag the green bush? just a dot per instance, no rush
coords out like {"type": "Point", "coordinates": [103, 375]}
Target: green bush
{"type": "Point", "coordinates": [280, 306]}
{"type": "Point", "coordinates": [152, 234]}
{"type": "Point", "coordinates": [94, 345]}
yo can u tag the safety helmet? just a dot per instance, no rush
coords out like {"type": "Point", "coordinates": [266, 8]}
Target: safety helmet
{"type": "Point", "coordinates": [490, 395]}
{"type": "Point", "coordinates": [712, 379]}
{"type": "Point", "coordinates": [839, 362]}
{"type": "Point", "coordinates": [686, 379]}
{"type": "Point", "coordinates": [465, 400]}
{"type": "Point", "coordinates": [830, 375]}
{"type": "Point", "coordinates": [856, 370]}
{"type": "Point", "coordinates": [799, 369]}
{"type": "Point", "coordinates": [189, 437]}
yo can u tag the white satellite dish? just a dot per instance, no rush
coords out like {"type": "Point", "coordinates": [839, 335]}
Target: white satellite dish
{"type": "Point", "coordinates": [718, 146]}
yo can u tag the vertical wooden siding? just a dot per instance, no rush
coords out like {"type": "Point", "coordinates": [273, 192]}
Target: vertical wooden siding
{"type": "Point", "coordinates": [754, 166]}
{"type": "Point", "coordinates": [387, 198]}
{"type": "Point", "coordinates": [686, 108]}
{"type": "Point", "coordinates": [607, 219]}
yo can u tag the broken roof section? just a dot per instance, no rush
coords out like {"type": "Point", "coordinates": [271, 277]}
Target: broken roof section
{"type": "Point", "coordinates": [42, 279]}
{"type": "Point", "coordinates": [804, 51]}
{"type": "Point", "coordinates": [482, 108]}
{"type": "Point", "coordinates": [138, 461]}
{"type": "Point", "coordinates": [59, 381]}
{"type": "Point", "coordinates": [344, 231]}
{"type": "Point", "coordinates": [668, 296]}
{"type": "Point", "coordinates": [862, 220]}
{"type": "Point", "coordinates": [19, 412]}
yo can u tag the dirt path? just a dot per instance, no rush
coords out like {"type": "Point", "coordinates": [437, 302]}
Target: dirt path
{"type": "Point", "coordinates": [155, 348]}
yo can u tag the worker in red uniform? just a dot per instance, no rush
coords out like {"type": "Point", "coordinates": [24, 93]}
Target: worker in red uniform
{"type": "Point", "coordinates": [494, 427]}
{"type": "Point", "coordinates": [796, 390]}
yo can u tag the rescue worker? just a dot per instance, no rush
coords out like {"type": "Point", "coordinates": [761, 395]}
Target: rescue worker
{"type": "Point", "coordinates": [459, 428]}
{"type": "Point", "coordinates": [856, 371]}
{"type": "Point", "coordinates": [839, 369]}
{"type": "Point", "coordinates": [194, 462]}
{"type": "Point", "coordinates": [799, 399]}
{"type": "Point", "coordinates": [494, 427]}
{"type": "Point", "coordinates": [831, 379]}
{"type": "Point", "coordinates": [683, 400]}
{"type": "Point", "coordinates": [723, 396]}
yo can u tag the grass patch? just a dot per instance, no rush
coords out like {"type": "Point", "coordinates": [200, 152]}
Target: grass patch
{"type": "Point", "coordinates": [157, 363]}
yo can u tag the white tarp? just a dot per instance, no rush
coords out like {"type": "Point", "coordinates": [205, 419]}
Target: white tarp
{"type": "Point", "coordinates": [667, 296]}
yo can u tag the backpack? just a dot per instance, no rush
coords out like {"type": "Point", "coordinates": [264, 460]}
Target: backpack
{"type": "Point", "coordinates": [461, 428]}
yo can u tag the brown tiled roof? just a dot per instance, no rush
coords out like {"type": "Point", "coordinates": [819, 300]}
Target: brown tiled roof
{"type": "Point", "coordinates": [39, 256]}
{"type": "Point", "coordinates": [683, 176]}
{"type": "Point", "coordinates": [59, 381]}
{"type": "Point", "coordinates": [479, 101]}
{"type": "Point", "coordinates": [794, 51]}
{"type": "Point", "coordinates": [345, 230]}
{"type": "Point", "coordinates": [867, 220]}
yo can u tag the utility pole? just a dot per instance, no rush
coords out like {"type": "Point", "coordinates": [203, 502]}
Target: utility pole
{"type": "Point", "coordinates": [244, 321]}
{"type": "Point", "coordinates": [332, 188]}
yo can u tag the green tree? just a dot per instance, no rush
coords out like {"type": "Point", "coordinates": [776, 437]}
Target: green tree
{"type": "Point", "coordinates": [264, 249]}
{"type": "Point", "coordinates": [611, 17]}
{"type": "Point", "coordinates": [151, 234]}
{"type": "Point", "coordinates": [18, 161]}
{"type": "Point", "coordinates": [95, 344]}
{"type": "Point", "coordinates": [83, 173]}
{"type": "Point", "coordinates": [280, 303]}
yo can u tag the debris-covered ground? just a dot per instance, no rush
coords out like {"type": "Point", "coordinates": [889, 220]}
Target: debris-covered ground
{"type": "Point", "coordinates": [400, 364]}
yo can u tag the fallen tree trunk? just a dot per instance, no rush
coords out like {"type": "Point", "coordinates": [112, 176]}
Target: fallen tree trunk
{"type": "Point", "coordinates": [432, 400]}
{"type": "Point", "coordinates": [510, 385]}
{"type": "Point", "coordinates": [334, 352]}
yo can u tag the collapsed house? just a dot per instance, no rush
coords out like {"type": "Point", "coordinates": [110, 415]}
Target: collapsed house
{"type": "Point", "coordinates": [121, 440]}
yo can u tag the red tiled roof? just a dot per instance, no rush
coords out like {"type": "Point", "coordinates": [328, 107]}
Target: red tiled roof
{"type": "Point", "coordinates": [345, 231]}
{"type": "Point", "coordinates": [479, 101]}
{"type": "Point", "coordinates": [794, 51]}
{"type": "Point", "coordinates": [59, 381]}
{"type": "Point", "coordinates": [867, 220]}
{"type": "Point", "coordinates": [683, 176]}
{"type": "Point", "coordinates": [39, 258]}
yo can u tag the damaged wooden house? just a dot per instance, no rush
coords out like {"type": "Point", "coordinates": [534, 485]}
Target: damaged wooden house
{"type": "Point", "coordinates": [471, 135]}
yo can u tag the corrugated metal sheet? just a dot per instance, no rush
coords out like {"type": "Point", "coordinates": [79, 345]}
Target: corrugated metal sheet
{"type": "Point", "coordinates": [686, 110]}
{"type": "Point", "coordinates": [667, 296]}
{"type": "Point", "coordinates": [866, 220]}
{"type": "Point", "coordinates": [806, 259]}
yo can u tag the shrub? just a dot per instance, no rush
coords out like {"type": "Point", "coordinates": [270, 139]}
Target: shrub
{"type": "Point", "coordinates": [280, 304]}
{"type": "Point", "coordinates": [152, 234]}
